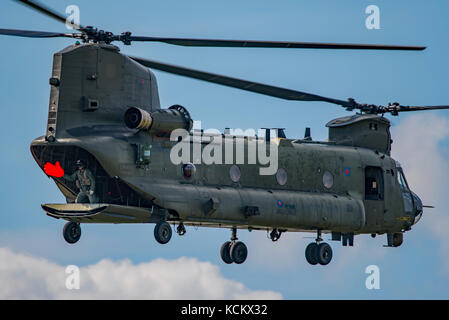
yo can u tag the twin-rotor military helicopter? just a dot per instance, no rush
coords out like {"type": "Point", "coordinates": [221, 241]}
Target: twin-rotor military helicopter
{"type": "Point", "coordinates": [104, 111]}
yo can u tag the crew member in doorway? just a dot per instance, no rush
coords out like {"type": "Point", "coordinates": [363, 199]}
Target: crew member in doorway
{"type": "Point", "coordinates": [85, 182]}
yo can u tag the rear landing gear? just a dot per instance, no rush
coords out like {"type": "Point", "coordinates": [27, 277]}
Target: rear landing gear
{"type": "Point", "coordinates": [71, 232]}
{"type": "Point", "coordinates": [162, 232]}
{"type": "Point", "coordinates": [234, 251]}
{"type": "Point", "coordinates": [318, 251]}
{"type": "Point", "coordinates": [225, 252]}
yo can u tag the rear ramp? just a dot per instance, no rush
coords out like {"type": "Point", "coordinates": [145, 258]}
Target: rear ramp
{"type": "Point", "coordinates": [100, 213]}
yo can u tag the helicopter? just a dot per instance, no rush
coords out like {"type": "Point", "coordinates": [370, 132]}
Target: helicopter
{"type": "Point", "coordinates": [104, 110]}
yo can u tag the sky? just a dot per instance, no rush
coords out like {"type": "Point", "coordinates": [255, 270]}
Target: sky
{"type": "Point", "coordinates": [124, 261]}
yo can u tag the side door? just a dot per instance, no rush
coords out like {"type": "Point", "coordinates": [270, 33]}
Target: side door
{"type": "Point", "coordinates": [374, 197]}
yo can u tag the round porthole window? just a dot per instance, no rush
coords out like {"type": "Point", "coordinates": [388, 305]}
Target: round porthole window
{"type": "Point", "coordinates": [328, 179]}
{"type": "Point", "coordinates": [234, 173]}
{"type": "Point", "coordinates": [281, 176]}
{"type": "Point", "coordinates": [188, 170]}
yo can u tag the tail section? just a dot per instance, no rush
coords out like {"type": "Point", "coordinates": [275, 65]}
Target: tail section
{"type": "Point", "coordinates": [92, 85]}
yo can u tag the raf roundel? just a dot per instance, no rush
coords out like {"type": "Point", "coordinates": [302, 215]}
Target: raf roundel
{"type": "Point", "coordinates": [347, 171]}
{"type": "Point", "coordinates": [279, 203]}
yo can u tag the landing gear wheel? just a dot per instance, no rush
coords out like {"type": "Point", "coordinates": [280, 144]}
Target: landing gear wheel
{"type": "Point", "coordinates": [324, 253]}
{"type": "Point", "coordinates": [239, 252]}
{"type": "Point", "coordinates": [312, 253]}
{"type": "Point", "coordinates": [162, 232]}
{"type": "Point", "coordinates": [225, 252]}
{"type": "Point", "coordinates": [71, 232]}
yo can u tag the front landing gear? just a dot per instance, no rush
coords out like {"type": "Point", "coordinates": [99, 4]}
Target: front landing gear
{"type": "Point", "coordinates": [318, 251]}
{"type": "Point", "coordinates": [234, 251]}
{"type": "Point", "coordinates": [71, 232]}
{"type": "Point", "coordinates": [312, 253]}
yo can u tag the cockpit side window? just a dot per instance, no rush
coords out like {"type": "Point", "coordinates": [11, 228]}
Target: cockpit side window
{"type": "Point", "coordinates": [401, 180]}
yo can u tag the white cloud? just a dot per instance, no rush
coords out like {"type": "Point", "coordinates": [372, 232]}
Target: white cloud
{"type": "Point", "coordinates": [27, 277]}
{"type": "Point", "coordinates": [419, 146]}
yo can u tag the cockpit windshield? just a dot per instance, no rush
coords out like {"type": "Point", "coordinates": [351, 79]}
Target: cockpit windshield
{"type": "Point", "coordinates": [401, 178]}
{"type": "Point", "coordinates": [406, 193]}
{"type": "Point", "coordinates": [412, 203]}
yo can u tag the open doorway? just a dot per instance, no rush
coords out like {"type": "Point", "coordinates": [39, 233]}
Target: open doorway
{"type": "Point", "coordinates": [374, 183]}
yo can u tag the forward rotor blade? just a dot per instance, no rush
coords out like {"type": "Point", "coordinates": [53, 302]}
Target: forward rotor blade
{"type": "Point", "coordinates": [35, 34]}
{"type": "Point", "coordinates": [398, 108]}
{"type": "Point", "coordinates": [45, 10]}
{"type": "Point", "coordinates": [270, 44]}
{"type": "Point", "coordinates": [279, 92]}
{"type": "Point", "coordinates": [261, 88]}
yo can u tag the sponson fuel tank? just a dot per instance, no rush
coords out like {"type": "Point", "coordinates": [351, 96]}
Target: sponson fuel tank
{"type": "Point", "coordinates": [286, 209]}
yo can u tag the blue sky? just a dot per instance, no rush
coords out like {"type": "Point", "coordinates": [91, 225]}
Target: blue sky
{"type": "Point", "coordinates": [418, 269]}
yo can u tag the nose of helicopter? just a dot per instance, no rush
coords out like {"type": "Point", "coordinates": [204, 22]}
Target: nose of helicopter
{"type": "Point", "coordinates": [418, 207]}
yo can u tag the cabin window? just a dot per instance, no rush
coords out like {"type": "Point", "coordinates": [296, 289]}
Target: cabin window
{"type": "Point", "coordinates": [374, 183]}
{"type": "Point", "coordinates": [328, 179]}
{"type": "Point", "coordinates": [281, 176]}
{"type": "Point", "coordinates": [143, 154]}
{"type": "Point", "coordinates": [234, 173]}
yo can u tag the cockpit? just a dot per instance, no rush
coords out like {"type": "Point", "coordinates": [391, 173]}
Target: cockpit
{"type": "Point", "coordinates": [412, 203]}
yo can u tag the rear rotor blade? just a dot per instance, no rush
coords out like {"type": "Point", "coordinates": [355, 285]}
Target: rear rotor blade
{"type": "Point", "coordinates": [45, 10]}
{"type": "Point", "coordinates": [127, 38]}
{"type": "Point", "coordinates": [35, 34]}
{"type": "Point", "coordinates": [270, 44]}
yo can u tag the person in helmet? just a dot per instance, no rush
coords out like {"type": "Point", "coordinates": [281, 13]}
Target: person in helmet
{"type": "Point", "coordinates": [85, 182]}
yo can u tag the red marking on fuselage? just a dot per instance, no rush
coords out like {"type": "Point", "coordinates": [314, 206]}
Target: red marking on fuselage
{"type": "Point", "coordinates": [54, 170]}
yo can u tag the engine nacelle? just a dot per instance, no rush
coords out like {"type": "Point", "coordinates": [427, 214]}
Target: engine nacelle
{"type": "Point", "coordinates": [161, 122]}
